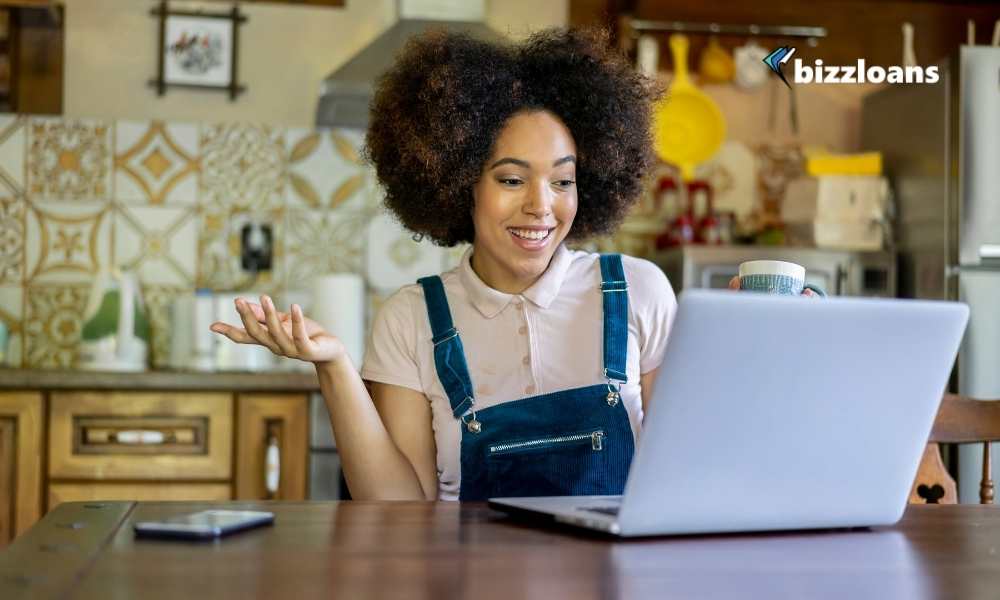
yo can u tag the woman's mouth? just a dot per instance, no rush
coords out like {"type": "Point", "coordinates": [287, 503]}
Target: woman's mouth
{"type": "Point", "coordinates": [530, 239]}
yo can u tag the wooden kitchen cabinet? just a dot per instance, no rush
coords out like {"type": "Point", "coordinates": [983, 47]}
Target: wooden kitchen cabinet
{"type": "Point", "coordinates": [31, 57]}
{"type": "Point", "coordinates": [20, 462]}
{"type": "Point", "coordinates": [69, 436]}
{"type": "Point", "coordinates": [263, 420]}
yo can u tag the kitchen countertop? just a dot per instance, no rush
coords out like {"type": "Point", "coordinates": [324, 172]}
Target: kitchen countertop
{"type": "Point", "coordinates": [59, 379]}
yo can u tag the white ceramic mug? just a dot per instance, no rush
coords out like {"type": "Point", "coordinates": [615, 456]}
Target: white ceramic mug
{"type": "Point", "coordinates": [775, 277]}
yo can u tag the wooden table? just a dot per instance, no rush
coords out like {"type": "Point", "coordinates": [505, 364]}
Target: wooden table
{"type": "Point", "coordinates": [448, 550]}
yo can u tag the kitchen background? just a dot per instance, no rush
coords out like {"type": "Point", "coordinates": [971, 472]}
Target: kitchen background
{"type": "Point", "coordinates": [202, 197]}
{"type": "Point", "coordinates": [164, 185]}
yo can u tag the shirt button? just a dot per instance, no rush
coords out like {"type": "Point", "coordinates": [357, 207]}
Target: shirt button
{"type": "Point", "coordinates": [523, 330]}
{"type": "Point", "coordinates": [526, 361]}
{"type": "Point", "coordinates": [529, 390]}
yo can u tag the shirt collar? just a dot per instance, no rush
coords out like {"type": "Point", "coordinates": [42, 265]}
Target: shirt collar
{"type": "Point", "coordinates": [489, 302]}
{"type": "Point", "coordinates": [545, 290]}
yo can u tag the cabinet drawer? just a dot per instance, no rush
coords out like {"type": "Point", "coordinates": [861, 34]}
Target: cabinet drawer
{"type": "Point", "coordinates": [140, 435]}
{"type": "Point", "coordinates": [80, 492]}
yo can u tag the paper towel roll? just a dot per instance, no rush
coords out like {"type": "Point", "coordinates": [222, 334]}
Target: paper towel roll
{"type": "Point", "coordinates": [338, 304]}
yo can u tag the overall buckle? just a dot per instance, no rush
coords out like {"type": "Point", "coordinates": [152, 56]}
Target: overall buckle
{"type": "Point", "coordinates": [473, 425]}
{"type": "Point", "coordinates": [614, 392]}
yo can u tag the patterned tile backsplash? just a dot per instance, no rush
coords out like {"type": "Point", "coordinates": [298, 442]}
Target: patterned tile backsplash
{"type": "Point", "coordinates": [169, 201]}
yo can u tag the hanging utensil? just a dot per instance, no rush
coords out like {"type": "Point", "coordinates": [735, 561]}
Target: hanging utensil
{"type": "Point", "coordinates": [793, 111]}
{"type": "Point", "coordinates": [716, 65]}
{"type": "Point", "coordinates": [996, 33]}
{"type": "Point", "coordinates": [909, 56]}
{"type": "Point", "coordinates": [648, 55]}
{"type": "Point", "coordinates": [688, 125]}
{"type": "Point", "coordinates": [751, 71]}
{"type": "Point", "coordinates": [772, 107]}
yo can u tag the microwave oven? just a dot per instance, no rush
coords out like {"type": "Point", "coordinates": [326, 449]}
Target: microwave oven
{"type": "Point", "coordinates": [838, 272]}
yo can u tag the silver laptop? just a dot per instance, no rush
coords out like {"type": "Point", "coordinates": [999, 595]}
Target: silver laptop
{"type": "Point", "coordinates": [774, 413]}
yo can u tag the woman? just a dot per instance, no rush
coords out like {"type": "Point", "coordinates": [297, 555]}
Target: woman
{"type": "Point", "coordinates": [525, 370]}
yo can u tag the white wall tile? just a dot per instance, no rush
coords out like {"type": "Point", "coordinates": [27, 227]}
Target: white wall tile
{"type": "Point", "coordinates": [69, 160]}
{"type": "Point", "coordinates": [159, 243]}
{"type": "Point", "coordinates": [325, 169]}
{"type": "Point", "coordinates": [66, 241]}
{"type": "Point", "coordinates": [156, 163]}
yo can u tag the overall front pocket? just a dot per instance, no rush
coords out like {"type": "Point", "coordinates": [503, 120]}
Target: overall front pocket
{"type": "Point", "coordinates": [558, 465]}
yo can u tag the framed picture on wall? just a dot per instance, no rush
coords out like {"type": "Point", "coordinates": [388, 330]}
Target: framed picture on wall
{"type": "Point", "coordinates": [198, 49]}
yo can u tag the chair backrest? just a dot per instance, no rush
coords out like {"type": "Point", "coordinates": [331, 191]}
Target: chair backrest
{"type": "Point", "coordinates": [960, 420]}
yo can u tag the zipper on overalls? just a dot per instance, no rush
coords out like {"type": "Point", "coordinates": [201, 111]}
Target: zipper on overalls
{"type": "Point", "coordinates": [596, 442]}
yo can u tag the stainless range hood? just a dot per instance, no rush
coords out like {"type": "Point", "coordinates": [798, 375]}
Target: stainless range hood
{"type": "Point", "coordinates": [346, 93]}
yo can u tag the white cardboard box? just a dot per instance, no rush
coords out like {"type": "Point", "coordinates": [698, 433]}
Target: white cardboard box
{"type": "Point", "coordinates": [839, 235]}
{"type": "Point", "coordinates": [835, 198]}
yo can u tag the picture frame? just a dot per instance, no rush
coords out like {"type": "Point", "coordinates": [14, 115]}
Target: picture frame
{"type": "Point", "coordinates": [198, 50]}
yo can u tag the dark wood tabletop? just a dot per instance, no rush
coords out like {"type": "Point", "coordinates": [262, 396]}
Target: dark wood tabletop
{"type": "Point", "coordinates": [451, 550]}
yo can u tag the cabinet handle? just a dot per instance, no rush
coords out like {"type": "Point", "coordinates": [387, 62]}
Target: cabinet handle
{"type": "Point", "coordinates": [127, 435]}
{"type": "Point", "coordinates": [139, 437]}
{"type": "Point", "coordinates": [272, 467]}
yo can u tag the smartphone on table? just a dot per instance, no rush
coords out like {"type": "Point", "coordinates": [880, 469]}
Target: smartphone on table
{"type": "Point", "coordinates": [204, 525]}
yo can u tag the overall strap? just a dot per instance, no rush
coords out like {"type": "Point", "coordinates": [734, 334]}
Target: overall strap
{"type": "Point", "coordinates": [449, 357]}
{"type": "Point", "coordinates": [614, 288]}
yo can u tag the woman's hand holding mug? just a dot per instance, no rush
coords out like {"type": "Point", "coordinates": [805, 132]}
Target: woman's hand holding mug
{"type": "Point", "coordinates": [288, 334]}
{"type": "Point", "coordinates": [734, 284]}
{"type": "Point", "coordinates": [774, 277]}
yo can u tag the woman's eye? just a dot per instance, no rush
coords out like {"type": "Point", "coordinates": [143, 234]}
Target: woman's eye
{"type": "Point", "coordinates": [565, 182]}
{"type": "Point", "coordinates": [510, 181]}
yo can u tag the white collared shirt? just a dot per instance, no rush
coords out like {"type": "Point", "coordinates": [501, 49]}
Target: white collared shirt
{"type": "Point", "coordinates": [546, 339]}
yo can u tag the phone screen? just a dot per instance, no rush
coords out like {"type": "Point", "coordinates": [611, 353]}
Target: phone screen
{"type": "Point", "coordinates": [204, 524]}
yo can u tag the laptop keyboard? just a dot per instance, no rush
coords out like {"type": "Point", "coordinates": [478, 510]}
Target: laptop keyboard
{"type": "Point", "coordinates": [604, 510]}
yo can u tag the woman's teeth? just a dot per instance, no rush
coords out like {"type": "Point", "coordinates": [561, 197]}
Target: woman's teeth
{"type": "Point", "coordinates": [531, 234]}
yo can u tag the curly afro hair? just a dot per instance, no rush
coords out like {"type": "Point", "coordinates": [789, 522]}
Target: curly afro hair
{"type": "Point", "coordinates": [437, 113]}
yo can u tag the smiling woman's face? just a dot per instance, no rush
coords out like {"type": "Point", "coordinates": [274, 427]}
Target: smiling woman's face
{"type": "Point", "coordinates": [525, 201]}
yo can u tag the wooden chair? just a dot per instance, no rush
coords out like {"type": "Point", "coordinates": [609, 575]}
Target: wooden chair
{"type": "Point", "coordinates": [959, 420]}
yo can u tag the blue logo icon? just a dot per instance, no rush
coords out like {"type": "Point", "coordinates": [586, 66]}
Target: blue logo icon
{"type": "Point", "coordinates": [778, 57]}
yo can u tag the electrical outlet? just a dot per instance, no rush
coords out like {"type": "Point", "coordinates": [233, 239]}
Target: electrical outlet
{"type": "Point", "coordinates": [256, 247]}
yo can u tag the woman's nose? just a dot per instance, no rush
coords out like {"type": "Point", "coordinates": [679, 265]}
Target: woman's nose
{"type": "Point", "coordinates": [539, 201]}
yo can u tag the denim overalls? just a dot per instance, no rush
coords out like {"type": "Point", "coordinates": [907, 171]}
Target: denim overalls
{"type": "Point", "coordinates": [566, 443]}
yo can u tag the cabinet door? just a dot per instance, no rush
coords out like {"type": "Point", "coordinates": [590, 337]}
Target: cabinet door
{"type": "Point", "coordinates": [20, 462]}
{"type": "Point", "coordinates": [280, 421]}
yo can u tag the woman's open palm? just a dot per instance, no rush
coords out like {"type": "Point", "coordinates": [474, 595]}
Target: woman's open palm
{"type": "Point", "coordinates": [288, 334]}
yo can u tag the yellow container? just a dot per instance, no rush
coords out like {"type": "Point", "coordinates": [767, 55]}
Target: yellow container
{"type": "Point", "coordinates": [867, 163]}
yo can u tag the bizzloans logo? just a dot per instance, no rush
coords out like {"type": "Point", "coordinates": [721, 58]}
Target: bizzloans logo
{"type": "Point", "coordinates": [859, 73]}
